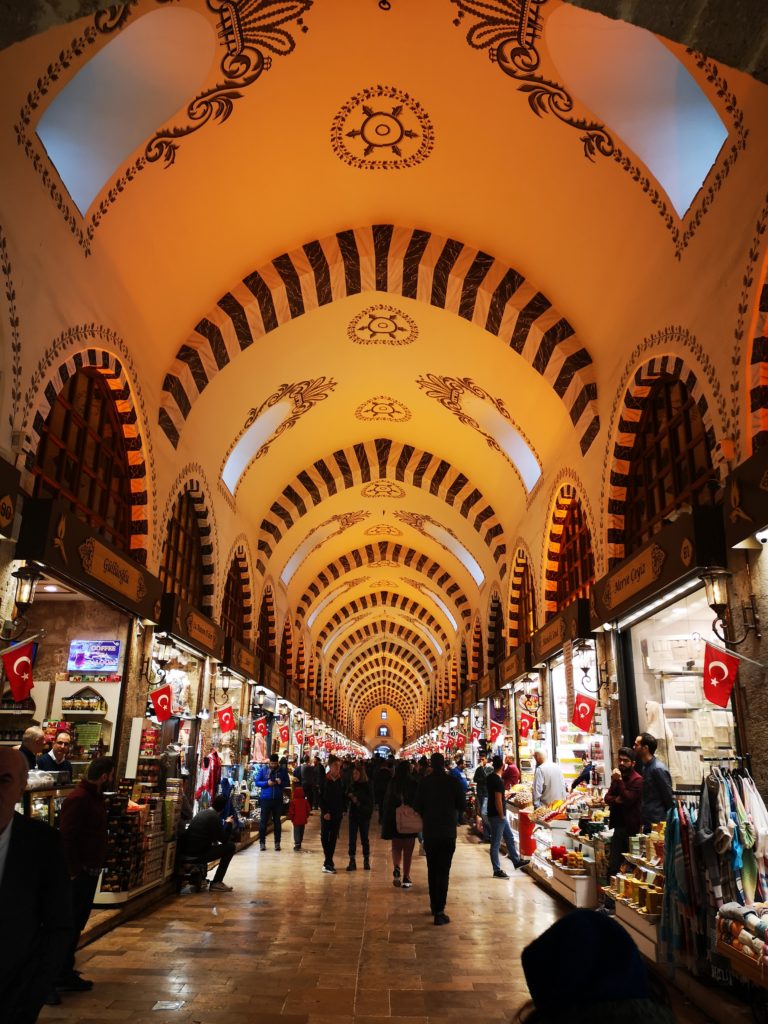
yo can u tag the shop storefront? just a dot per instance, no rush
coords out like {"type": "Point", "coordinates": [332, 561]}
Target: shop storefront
{"type": "Point", "coordinates": [237, 692]}
{"type": "Point", "coordinates": [656, 603]}
{"type": "Point", "coordinates": [576, 728]}
{"type": "Point", "coordinates": [521, 687]}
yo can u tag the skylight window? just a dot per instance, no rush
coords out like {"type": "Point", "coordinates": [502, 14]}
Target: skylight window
{"type": "Point", "coordinates": [251, 441]}
{"type": "Point", "coordinates": [123, 95]}
{"type": "Point", "coordinates": [454, 545]}
{"type": "Point", "coordinates": [506, 435]}
{"type": "Point", "coordinates": [643, 94]}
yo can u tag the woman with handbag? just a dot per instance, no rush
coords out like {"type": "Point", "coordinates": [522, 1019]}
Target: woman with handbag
{"type": "Point", "coordinates": [400, 822]}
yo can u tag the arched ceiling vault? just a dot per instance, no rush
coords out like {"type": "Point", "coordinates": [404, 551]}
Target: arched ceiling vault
{"type": "Point", "coordinates": [381, 333]}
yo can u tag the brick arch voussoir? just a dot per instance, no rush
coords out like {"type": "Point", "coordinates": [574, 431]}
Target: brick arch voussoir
{"type": "Point", "coordinates": [240, 551]}
{"type": "Point", "coordinates": [397, 650]}
{"type": "Point", "coordinates": [567, 488]}
{"type": "Point", "coordinates": [191, 480]}
{"type": "Point", "coordinates": [268, 595]}
{"type": "Point", "coordinates": [385, 629]}
{"type": "Point", "coordinates": [758, 356]}
{"type": "Point", "coordinates": [414, 263]}
{"type": "Point", "coordinates": [382, 599]}
{"type": "Point", "coordinates": [521, 559]}
{"type": "Point", "coordinates": [113, 372]}
{"type": "Point", "coordinates": [625, 429]}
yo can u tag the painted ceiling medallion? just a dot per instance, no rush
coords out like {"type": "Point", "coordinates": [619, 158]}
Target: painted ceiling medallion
{"type": "Point", "coordinates": [382, 325]}
{"type": "Point", "coordinates": [383, 585]}
{"type": "Point", "coordinates": [383, 489]}
{"type": "Point", "coordinates": [381, 129]}
{"type": "Point", "coordinates": [383, 409]}
{"type": "Point", "coordinates": [383, 530]}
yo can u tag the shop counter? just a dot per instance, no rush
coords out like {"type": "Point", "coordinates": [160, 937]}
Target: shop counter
{"type": "Point", "coordinates": [642, 928]}
{"type": "Point", "coordinates": [579, 888]}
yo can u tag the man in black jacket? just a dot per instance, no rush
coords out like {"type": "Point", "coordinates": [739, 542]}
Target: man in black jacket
{"type": "Point", "coordinates": [439, 801]}
{"type": "Point", "coordinates": [36, 902]}
{"type": "Point", "coordinates": [480, 779]}
{"type": "Point", "coordinates": [207, 838]}
{"type": "Point", "coordinates": [658, 797]}
{"type": "Point", "coordinates": [332, 800]}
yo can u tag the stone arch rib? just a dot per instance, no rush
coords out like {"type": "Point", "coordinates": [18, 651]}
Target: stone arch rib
{"type": "Point", "coordinates": [411, 262]}
{"type": "Point", "coordinates": [380, 459]}
{"type": "Point", "coordinates": [630, 415]}
{"type": "Point", "coordinates": [383, 599]}
{"type": "Point", "coordinates": [758, 369]}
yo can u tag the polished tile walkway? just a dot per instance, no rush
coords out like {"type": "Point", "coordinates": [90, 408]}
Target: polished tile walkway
{"type": "Point", "coordinates": [294, 946]}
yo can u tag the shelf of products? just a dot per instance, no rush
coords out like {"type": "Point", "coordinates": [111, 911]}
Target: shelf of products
{"type": "Point", "coordinates": [577, 885]}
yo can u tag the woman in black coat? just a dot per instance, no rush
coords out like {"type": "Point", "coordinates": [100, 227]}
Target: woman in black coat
{"type": "Point", "coordinates": [360, 801]}
{"type": "Point", "coordinates": [401, 790]}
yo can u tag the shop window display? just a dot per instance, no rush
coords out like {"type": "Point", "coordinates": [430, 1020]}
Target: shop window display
{"type": "Point", "coordinates": [668, 660]}
{"type": "Point", "coordinates": [572, 743]}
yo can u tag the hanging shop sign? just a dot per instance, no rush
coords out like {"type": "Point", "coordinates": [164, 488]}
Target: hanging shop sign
{"type": "Point", "coordinates": [192, 627]}
{"type": "Point", "coordinates": [240, 659]}
{"type": "Point", "coordinates": [486, 685]}
{"type": "Point", "coordinates": [571, 623]}
{"type": "Point", "coordinates": [54, 536]}
{"type": "Point", "coordinates": [272, 679]}
{"type": "Point", "coordinates": [468, 697]}
{"type": "Point", "coordinates": [516, 664]}
{"type": "Point", "coordinates": [745, 510]}
{"type": "Point", "coordinates": [692, 541]}
{"type": "Point", "coordinates": [293, 694]}
{"type": "Point", "coordinates": [9, 497]}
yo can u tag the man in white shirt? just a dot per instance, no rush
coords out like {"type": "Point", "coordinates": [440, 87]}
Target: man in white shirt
{"type": "Point", "coordinates": [548, 782]}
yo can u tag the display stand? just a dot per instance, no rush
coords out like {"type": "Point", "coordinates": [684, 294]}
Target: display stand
{"type": "Point", "coordinates": [643, 929]}
{"type": "Point", "coordinates": [578, 889]}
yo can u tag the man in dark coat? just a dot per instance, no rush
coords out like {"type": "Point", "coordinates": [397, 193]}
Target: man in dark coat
{"type": "Point", "coordinates": [658, 797]}
{"type": "Point", "coordinates": [624, 798]}
{"type": "Point", "coordinates": [208, 837]}
{"type": "Point", "coordinates": [35, 900]}
{"type": "Point", "coordinates": [439, 801]}
{"type": "Point", "coordinates": [83, 825]}
{"type": "Point", "coordinates": [332, 803]}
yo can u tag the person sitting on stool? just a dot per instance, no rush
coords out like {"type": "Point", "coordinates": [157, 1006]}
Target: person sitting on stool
{"type": "Point", "coordinates": [206, 838]}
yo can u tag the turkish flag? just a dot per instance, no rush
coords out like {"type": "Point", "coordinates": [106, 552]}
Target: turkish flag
{"type": "Point", "coordinates": [495, 732]}
{"type": "Point", "coordinates": [226, 718]}
{"type": "Point", "coordinates": [474, 734]}
{"type": "Point", "coordinates": [18, 670]}
{"type": "Point", "coordinates": [299, 737]}
{"type": "Point", "coordinates": [311, 740]}
{"type": "Point", "coordinates": [527, 722]}
{"type": "Point", "coordinates": [720, 671]}
{"type": "Point", "coordinates": [583, 711]}
{"type": "Point", "coordinates": [461, 740]}
{"type": "Point", "coordinates": [161, 701]}
{"type": "Point", "coordinates": [260, 726]}
{"type": "Point", "coordinates": [283, 732]}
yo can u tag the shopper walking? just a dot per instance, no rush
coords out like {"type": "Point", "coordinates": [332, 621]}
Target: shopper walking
{"type": "Point", "coordinates": [332, 811]}
{"type": "Point", "coordinates": [548, 782]}
{"type": "Point", "coordinates": [658, 797]}
{"type": "Point", "coordinates": [439, 799]}
{"type": "Point", "coordinates": [272, 781]}
{"type": "Point", "coordinates": [83, 827]}
{"type": "Point", "coordinates": [381, 780]}
{"type": "Point", "coordinates": [497, 819]}
{"type": "Point", "coordinates": [298, 815]}
{"type": "Point", "coordinates": [480, 779]}
{"type": "Point", "coordinates": [308, 777]}
{"type": "Point", "coordinates": [360, 804]}
{"type": "Point", "coordinates": [401, 792]}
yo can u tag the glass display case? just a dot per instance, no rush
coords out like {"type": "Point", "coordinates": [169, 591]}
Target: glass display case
{"type": "Point", "coordinates": [45, 804]}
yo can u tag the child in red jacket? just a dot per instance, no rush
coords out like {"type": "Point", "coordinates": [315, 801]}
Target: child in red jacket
{"type": "Point", "coordinates": [298, 814]}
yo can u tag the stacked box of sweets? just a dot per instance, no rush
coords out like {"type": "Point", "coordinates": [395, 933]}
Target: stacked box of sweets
{"type": "Point", "coordinates": [148, 772]}
{"type": "Point", "coordinates": [124, 846]}
{"type": "Point", "coordinates": [172, 809]}
{"type": "Point", "coordinates": [154, 841]}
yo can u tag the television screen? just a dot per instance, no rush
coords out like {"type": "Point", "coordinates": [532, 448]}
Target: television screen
{"type": "Point", "coordinates": [93, 656]}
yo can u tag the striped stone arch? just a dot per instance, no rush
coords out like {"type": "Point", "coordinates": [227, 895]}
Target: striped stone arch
{"type": "Point", "coordinates": [495, 628]}
{"type": "Point", "coordinates": [381, 666]}
{"type": "Point", "coordinates": [383, 629]}
{"type": "Point", "coordinates": [380, 686]}
{"type": "Point", "coordinates": [395, 680]}
{"type": "Point", "coordinates": [113, 373]}
{"type": "Point", "coordinates": [385, 551]}
{"type": "Point", "coordinates": [565, 494]}
{"type": "Point", "coordinates": [477, 661]}
{"type": "Point", "coordinates": [240, 553]}
{"type": "Point", "coordinates": [380, 459]}
{"type": "Point", "coordinates": [267, 620]}
{"type": "Point", "coordinates": [397, 650]}
{"type": "Point", "coordinates": [521, 561]}
{"type": "Point", "coordinates": [383, 599]}
{"type": "Point", "coordinates": [629, 416]}
{"type": "Point", "coordinates": [301, 666]}
{"type": "Point", "coordinates": [441, 272]}
{"type": "Point", "coordinates": [758, 362]}
{"type": "Point", "coordinates": [286, 649]}
{"type": "Point", "coordinates": [197, 489]}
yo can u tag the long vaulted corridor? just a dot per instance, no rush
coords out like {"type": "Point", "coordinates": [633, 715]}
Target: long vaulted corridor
{"type": "Point", "coordinates": [291, 945]}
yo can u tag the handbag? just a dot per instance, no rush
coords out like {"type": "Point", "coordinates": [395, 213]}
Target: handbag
{"type": "Point", "coordinates": [407, 821]}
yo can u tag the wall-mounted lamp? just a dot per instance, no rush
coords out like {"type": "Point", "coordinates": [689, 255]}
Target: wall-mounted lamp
{"type": "Point", "coordinates": [715, 580]}
{"type": "Point", "coordinates": [465, 713]}
{"type": "Point", "coordinates": [283, 708]}
{"type": "Point", "coordinates": [584, 650]}
{"type": "Point", "coordinates": [204, 714]}
{"type": "Point", "coordinates": [161, 658]}
{"type": "Point", "coordinates": [497, 702]}
{"type": "Point", "coordinates": [223, 679]}
{"type": "Point", "coordinates": [260, 695]}
{"type": "Point", "coordinates": [27, 577]}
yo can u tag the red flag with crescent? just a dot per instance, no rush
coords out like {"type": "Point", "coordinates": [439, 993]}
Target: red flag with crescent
{"type": "Point", "coordinates": [299, 737]}
{"type": "Point", "coordinates": [283, 732]}
{"type": "Point", "coordinates": [260, 726]}
{"type": "Point", "coordinates": [226, 717]}
{"type": "Point", "coordinates": [720, 671]}
{"type": "Point", "coordinates": [495, 732]}
{"type": "Point", "coordinates": [161, 701]}
{"type": "Point", "coordinates": [18, 670]}
{"type": "Point", "coordinates": [461, 740]}
{"type": "Point", "coordinates": [474, 734]}
{"type": "Point", "coordinates": [583, 711]}
{"type": "Point", "coordinates": [527, 722]}
{"type": "Point", "coordinates": [311, 740]}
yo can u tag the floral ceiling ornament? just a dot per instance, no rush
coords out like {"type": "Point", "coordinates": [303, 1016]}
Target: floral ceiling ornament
{"type": "Point", "coordinates": [449, 392]}
{"type": "Point", "coordinates": [383, 530]}
{"type": "Point", "coordinates": [343, 521]}
{"type": "Point", "coordinates": [383, 409]}
{"type": "Point", "coordinates": [246, 29]}
{"type": "Point", "coordinates": [382, 128]}
{"type": "Point", "coordinates": [303, 395]}
{"type": "Point", "coordinates": [382, 325]}
{"type": "Point", "coordinates": [383, 489]}
{"type": "Point", "coordinates": [509, 30]}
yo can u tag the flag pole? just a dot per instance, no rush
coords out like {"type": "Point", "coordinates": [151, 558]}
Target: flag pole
{"type": "Point", "coordinates": [22, 643]}
{"type": "Point", "coordinates": [727, 650]}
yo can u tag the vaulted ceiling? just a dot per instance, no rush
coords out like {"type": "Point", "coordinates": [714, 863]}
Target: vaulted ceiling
{"type": "Point", "coordinates": [377, 288]}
